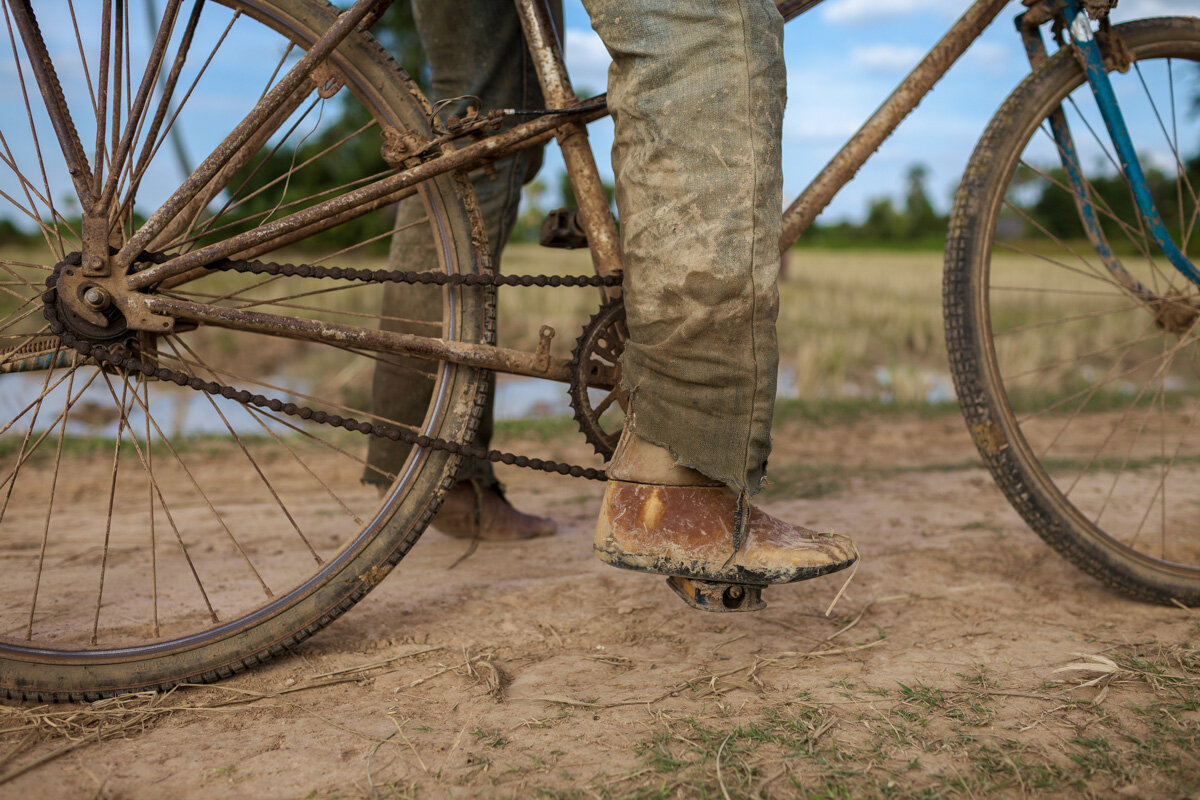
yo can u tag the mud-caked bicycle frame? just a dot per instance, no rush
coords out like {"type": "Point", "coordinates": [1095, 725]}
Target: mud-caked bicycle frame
{"type": "Point", "coordinates": [185, 556]}
{"type": "Point", "coordinates": [565, 120]}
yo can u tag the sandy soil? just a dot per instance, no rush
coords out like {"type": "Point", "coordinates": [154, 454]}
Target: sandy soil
{"type": "Point", "coordinates": [532, 668]}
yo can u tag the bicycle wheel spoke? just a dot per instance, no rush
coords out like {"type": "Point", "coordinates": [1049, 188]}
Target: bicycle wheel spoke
{"type": "Point", "coordinates": [1108, 381]}
{"type": "Point", "coordinates": [40, 63]}
{"type": "Point", "coordinates": [122, 146]}
{"type": "Point", "coordinates": [112, 494]}
{"type": "Point", "coordinates": [1117, 474]}
{"type": "Point", "coordinates": [236, 198]}
{"type": "Point", "coordinates": [149, 469]}
{"type": "Point", "coordinates": [258, 417]}
{"type": "Point", "coordinates": [369, 241]}
{"type": "Point", "coordinates": [234, 142]}
{"type": "Point", "coordinates": [1092, 271]}
{"type": "Point", "coordinates": [1086, 315]}
{"type": "Point", "coordinates": [1087, 396]}
{"type": "Point", "coordinates": [1115, 428]}
{"type": "Point", "coordinates": [145, 459]}
{"type": "Point", "coordinates": [1139, 237]}
{"type": "Point", "coordinates": [100, 154]}
{"type": "Point", "coordinates": [36, 141]}
{"type": "Point", "coordinates": [10, 478]}
{"type": "Point", "coordinates": [41, 562]}
{"type": "Point", "coordinates": [1110, 350]}
{"type": "Point", "coordinates": [220, 519]}
{"type": "Point", "coordinates": [36, 405]}
{"type": "Point", "coordinates": [154, 523]}
{"type": "Point", "coordinates": [254, 464]}
{"type": "Point", "coordinates": [238, 223]}
{"type": "Point", "coordinates": [152, 145]}
{"type": "Point", "coordinates": [29, 208]}
{"type": "Point", "coordinates": [83, 59]}
{"type": "Point", "coordinates": [1144, 235]}
{"type": "Point", "coordinates": [148, 136]}
{"type": "Point", "coordinates": [225, 374]}
{"type": "Point", "coordinates": [1171, 138]}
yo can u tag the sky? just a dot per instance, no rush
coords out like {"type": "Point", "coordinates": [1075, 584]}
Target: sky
{"type": "Point", "coordinates": [844, 57]}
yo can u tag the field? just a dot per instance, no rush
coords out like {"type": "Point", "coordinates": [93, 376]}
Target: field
{"type": "Point", "coordinates": [963, 658]}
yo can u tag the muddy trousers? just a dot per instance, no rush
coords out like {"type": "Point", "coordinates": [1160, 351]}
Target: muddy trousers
{"type": "Point", "coordinates": [697, 91]}
{"type": "Point", "coordinates": [473, 49]}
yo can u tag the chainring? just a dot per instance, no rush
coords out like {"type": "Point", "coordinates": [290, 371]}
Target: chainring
{"type": "Point", "coordinates": [597, 399]}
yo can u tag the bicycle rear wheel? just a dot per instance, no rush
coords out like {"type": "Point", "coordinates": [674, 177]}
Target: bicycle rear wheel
{"type": "Point", "coordinates": [152, 533]}
{"type": "Point", "coordinates": [1083, 393]}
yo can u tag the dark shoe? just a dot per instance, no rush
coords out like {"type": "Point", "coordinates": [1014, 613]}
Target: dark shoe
{"type": "Point", "coordinates": [659, 517]}
{"type": "Point", "coordinates": [497, 520]}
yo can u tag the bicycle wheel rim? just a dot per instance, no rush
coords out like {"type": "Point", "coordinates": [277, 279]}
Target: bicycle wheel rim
{"type": "Point", "coordinates": [1030, 411]}
{"type": "Point", "coordinates": [401, 514]}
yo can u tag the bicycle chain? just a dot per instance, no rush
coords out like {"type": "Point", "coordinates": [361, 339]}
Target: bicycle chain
{"type": "Point", "coordinates": [102, 354]}
{"type": "Point", "coordinates": [403, 276]}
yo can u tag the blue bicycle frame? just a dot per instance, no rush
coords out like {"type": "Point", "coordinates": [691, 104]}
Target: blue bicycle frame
{"type": "Point", "coordinates": [1080, 31]}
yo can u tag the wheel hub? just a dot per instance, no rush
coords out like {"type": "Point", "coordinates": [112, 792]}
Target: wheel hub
{"type": "Point", "coordinates": [100, 309]}
{"type": "Point", "coordinates": [83, 305]}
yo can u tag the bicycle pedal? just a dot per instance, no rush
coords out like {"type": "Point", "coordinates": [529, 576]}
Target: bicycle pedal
{"type": "Point", "coordinates": [561, 229]}
{"type": "Point", "coordinates": [717, 597]}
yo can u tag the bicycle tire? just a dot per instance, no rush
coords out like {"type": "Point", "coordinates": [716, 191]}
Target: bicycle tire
{"type": "Point", "coordinates": [280, 488]}
{"type": "Point", "coordinates": [1077, 399]}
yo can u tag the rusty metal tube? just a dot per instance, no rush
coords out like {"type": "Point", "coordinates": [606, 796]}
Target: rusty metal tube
{"type": "Point", "coordinates": [360, 200]}
{"type": "Point", "coordinates": [499, 359]}
{"type": "Point", "coordinates": [816, 196]}
{"type": "Point", "coordinates": [790, 9]}
{"type": "Point", "coordinates": [234, 142]}
{"type": "Point", "coordinates": [47, 80]}
{"type": "Point", "coordinates": [594, 213]}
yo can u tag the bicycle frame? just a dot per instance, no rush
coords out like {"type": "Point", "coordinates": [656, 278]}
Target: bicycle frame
{"type": "Point", "coordinates": [420, 160]}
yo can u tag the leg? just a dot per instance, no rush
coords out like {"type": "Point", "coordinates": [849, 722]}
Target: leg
{"type": "Point", "coordinates": [471, 52]}
{"type": "Point", "coordinates": [697, 95]}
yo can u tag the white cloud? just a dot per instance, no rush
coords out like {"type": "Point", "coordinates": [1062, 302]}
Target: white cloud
{"type": "Point", "coordinates": [886, 57]}
{"type": "Point", "coordinates": [827, 109]}
{"type": "Point", "coordinates": [1133, 9]}
{"type": "Point", "coordinates": [857, 12]}
{"type": "Point", "coordinates": [860, 12]}
{"type": "Point", "coordinates": [587, 59]}
{"type": "Point", "coordinates": [993, 58]}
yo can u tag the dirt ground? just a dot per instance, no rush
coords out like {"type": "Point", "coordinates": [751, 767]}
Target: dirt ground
{"type": "Point", "coordinates": [963, 659]}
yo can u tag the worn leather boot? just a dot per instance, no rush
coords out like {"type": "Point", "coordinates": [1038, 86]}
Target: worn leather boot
{"type": "Point", "coordinates": [496, 521]}
{"type": "Point", "coordinates": [660, 517]}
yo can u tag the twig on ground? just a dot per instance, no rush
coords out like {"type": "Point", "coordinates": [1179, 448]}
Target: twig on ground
{"type": "Point", "coordinates": [720, 780]}
{"type": "Point", "coordinates": [838, 596]}
{"type": "Point", "coordinates": [370, 755]}
{"type": "Point", "coordinates": [372, 665]}
{"type": "Point", "coordinates": [453, 747]}
{"type": "Point", "coordinates": [711, 679]}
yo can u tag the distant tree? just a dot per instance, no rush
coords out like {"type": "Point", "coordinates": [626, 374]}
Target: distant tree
{"type": "Point", "coordinates": [920, 217]}
{"type": "Point", "coordinates": [883, 222]}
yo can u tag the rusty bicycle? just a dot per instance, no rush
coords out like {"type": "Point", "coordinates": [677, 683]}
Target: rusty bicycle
{"type": "Point", "coordinates": [141, 553]}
